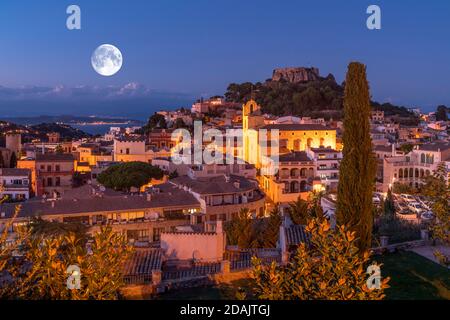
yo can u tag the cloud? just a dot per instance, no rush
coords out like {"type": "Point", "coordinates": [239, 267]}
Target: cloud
{"type": "Point", "coordinates": [60, 92]}
{"type": "Point", "coordinates": [129, 99]}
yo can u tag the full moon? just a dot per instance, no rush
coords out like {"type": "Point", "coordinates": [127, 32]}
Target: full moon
{"type": "Point", "coordinates": [106, 60]}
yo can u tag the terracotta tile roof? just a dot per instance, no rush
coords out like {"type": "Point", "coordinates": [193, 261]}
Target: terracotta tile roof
{"type": "Point", "coordinates": [78, 202]}
{"type": "Point", "coordinates": [296, 234]}
{"type": "Point", "coordinates": [294, 156]}
{"type": "Point", "coordinates": [143, 261]}
{"type": "Point", "coordinates": [14, 172]}
{"type": "Point", "coordinates": [54, 157]}
{"type": "Point", "coordinates": [435, 146]}
{"type": "Point", "coordinates": [215, 185]}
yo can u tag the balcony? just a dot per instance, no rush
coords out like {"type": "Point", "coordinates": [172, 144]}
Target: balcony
{"type": "Point", "coordinates": [54, 173]}
{"type": "Point", "coordinates": [327, 168]}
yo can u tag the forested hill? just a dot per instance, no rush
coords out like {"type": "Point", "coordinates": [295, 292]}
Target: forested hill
{"type": "Point", "coordinates": [40, 131]}
{"type": "Point", "coordinates": [322, 97]}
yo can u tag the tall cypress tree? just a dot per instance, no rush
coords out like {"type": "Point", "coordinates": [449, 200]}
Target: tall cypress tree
{"type": "Point", "coordinates": [2, 161]}
{"type": "Point", "coordinates": [358, 168]}
{"type": "Point", "coordinates": [13, 160]}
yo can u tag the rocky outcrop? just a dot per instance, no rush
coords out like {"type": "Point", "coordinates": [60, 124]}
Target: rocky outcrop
{"type": "Point", "coordinates": [295, 75]}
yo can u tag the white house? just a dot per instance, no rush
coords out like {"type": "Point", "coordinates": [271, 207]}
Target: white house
{"type": "Point", "coordinates": [15, 183]}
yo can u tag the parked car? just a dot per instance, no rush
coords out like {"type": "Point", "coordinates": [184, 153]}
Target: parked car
{"type": "Point", "coordinates": [376, 200]}
{"type": "Point", "coordinates": [424, 202]}
{"type": "Point", "coordinates": [415, 207]}
{"type": "Point", "coordinates": [408, 197]}
{"type": "Point", "coordinates": [427, 215]}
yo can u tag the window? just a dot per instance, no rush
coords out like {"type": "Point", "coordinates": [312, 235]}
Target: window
{"type": "Point", "coordinates": [49, 168]}
{"type": "Point", "coordinates": [57, 168]}
{"type": "Point", "coordinates": [128, 151]}
{"type": "Point", "coordinates": [57, 181]}
{"type": "Point", "coordinates": [157, 233]}
{"type": "Point", "coordinates": [49, 182]}
{"type": "Point", "coordinates": [138, 235]}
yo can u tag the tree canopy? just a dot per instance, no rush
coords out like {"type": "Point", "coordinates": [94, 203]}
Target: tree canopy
{"type": "Point", "coordinates": [43, 272]}
{"type": "Point", "coordinates": [13, 160]}
{"type": "Point", "coordinates": [125, 175]}
{"type": "Point", "coordinates": [441, 113]}
{"type": "Point", "coordinates": [320, 98]}
{"type": "Point", "coordinates": [437, 189]}
{"type": "Point", "coordinates": [155, 121]}
{"type": "Point", "coordinates": [246, 232]}
{"type": "Point", "coordinates": [358, 167]}
{"type": "Point", "coordinates": [331, 268]}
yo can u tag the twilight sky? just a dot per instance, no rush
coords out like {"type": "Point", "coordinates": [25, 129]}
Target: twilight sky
{"type": "Point", "coordinates": [176, 50]}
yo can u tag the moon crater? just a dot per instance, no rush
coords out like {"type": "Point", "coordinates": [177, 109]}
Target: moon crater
{"type": "Point", "coordinates": [106, 60]}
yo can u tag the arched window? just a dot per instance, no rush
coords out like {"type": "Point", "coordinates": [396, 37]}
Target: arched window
{"type": "Point", "coordinates": [303, 172]}
{"type": "Point", "coordinates": [309, 142]}
{"type": "Point", "coordinates": [411, 172]}
{"type": "Point", "coordinates": [294, 186]}
{"type": "Point", "coordinates": [416, 173]}
{"type": "Point", "coordinates": [405, 173]}
{"type": "Point", "coordinates": [422, 158]}
{"type": "Point", "coordinates": [322, 141]}
{"type": "Point", "coordinates": [294, 173]}
{"type": "Point", "coordinates": [422, 173]}
{"type": "Point", "coordinates": [427, 173]}
{"type": "Point", "coordinates": [400, 173]}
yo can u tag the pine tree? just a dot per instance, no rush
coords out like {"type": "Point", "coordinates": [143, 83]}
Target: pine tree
{"type": "Point", "coordinates": [388, 205]}
{"type": "Point", "coordinates": [358, 168]}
